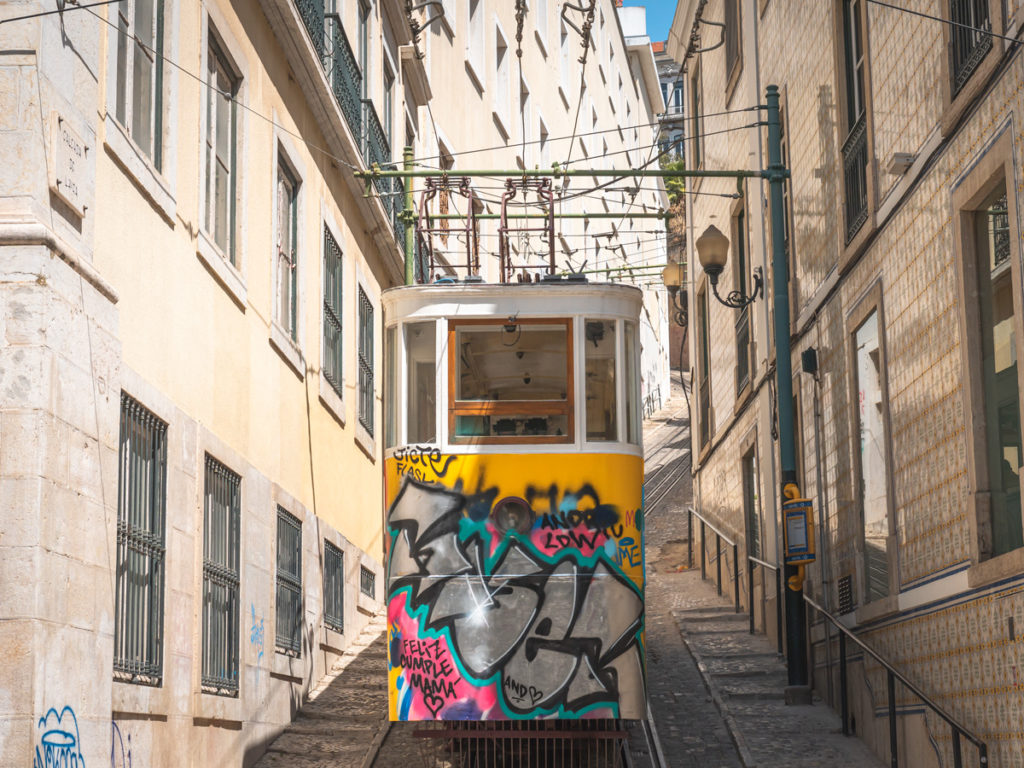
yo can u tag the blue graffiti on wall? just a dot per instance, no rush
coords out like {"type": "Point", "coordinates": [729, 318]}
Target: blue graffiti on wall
{"type": "Point", "coordinates": [256, 634]}
{"type": "Point", "coordinates": [59, 745]}
{"type": "Point", "coordinates": [120, 756]}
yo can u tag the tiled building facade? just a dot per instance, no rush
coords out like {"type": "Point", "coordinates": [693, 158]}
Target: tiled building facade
{"type": "Point", "coordinates": [904, 139]}
{"type": "Point", "coordinates": [191, 498]}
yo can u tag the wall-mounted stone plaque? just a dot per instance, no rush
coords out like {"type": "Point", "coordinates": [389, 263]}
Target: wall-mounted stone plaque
{"type": "Point", "coordinates": [68, 164]}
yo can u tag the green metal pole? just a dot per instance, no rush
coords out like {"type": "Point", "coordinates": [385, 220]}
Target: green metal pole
{"type": "Point", "coordinates": [409, 219]}
{"type": "Point", "coordinates": [663, 215]}
{"type": "Point", "coordinates": [558, 173]}
{"type": "Point", "coordinates": [796, 639]}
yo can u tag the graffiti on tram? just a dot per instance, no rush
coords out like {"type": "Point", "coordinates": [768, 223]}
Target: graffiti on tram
{"type": "Point", "coordinates": [513, 599]}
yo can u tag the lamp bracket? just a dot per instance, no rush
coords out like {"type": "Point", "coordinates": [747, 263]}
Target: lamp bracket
{"type": "Point", "coordinates": [735, 299]}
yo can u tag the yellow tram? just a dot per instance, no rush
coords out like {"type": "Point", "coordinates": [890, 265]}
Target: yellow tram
{"type": "Point", "coordinates": [514, 473]}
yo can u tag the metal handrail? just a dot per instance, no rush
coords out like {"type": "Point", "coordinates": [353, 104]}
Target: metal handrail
{"type": "Point", "coordinates": [751, 563]}
{"type": "Point", "coordinates": [892, 675]}
{"type": "Point", "coordinates": [719, 537]}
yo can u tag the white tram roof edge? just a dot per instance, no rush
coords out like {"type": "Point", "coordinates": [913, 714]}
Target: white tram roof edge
{"type": "Point", "coordinates": [476, 300]}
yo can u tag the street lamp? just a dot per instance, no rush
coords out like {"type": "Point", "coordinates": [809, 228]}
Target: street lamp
{"type": "Point", "coordinates": [713, 253]}
{"type": "Point", "coordinates": [672, 276]}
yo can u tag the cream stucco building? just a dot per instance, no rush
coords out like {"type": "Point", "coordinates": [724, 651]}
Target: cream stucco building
{"type": "Point", "coordinates": [902, 231]}
{"type": "Point", "coordinates": [190, 380]}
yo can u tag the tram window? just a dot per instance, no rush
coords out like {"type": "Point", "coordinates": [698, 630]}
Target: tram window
{"type": "Point", "coordinates": [632, 370]}
{"type": "Point", "coordinates": [390, 388]}
{"type": "Point", "coordinates": [511, 381]}
{"type": "Point", "coordinates": [599, 345]}
{"type": "Point", "coordinates": [421, 365]}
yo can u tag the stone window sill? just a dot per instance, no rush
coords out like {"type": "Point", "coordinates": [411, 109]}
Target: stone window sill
{"type": "Point", "coordinates": [366, 441]}
{"type": "Point", "coordinates": [139, 168]}
{"type": "Point", "coordinates": [219, 266]}
{"type": "Point", "coordinates": [332, 401]}
{"type": "Point", "coordinates": [288, 349]}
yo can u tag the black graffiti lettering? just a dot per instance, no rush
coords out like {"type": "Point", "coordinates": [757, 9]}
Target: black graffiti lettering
{"type": "Point", "coordinates": [522, 693]}
{"type": "Point", "coordinates": [524, 616]}
{"type": "Point", "coordinates": [435, 687]}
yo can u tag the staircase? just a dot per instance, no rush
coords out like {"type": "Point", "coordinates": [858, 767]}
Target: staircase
{"type": "Point", "coordinates": [346, 717]}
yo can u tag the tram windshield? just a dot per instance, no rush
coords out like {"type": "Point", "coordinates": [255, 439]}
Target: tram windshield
{"type": "Point", "coordinates": [511, 379]}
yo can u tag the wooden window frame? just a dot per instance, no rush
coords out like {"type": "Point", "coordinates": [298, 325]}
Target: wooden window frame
{"type": "Point", "coordinates": [704, 387]}
{"type": "Point", "coordinates": [513, 407]}
{"type": "Point", "coordinates": [732, 36]}
{"type": "Point", "coordinates": [995, 165]}
{"type": "Point", "coordinates": [872, 301]}
{"type": "Point", "coordinates": [742, 276]}
{"type": "Point", "coordinates": [864, 231]}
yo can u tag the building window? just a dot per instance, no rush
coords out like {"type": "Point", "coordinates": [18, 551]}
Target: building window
{"type": "Point", "coordinates": [872, 471]}
{"type": "Point", "coordinates": [543, 144]}
{"type": "Point", "coordinates": [365, 361]}
{"type": "Point", "coordinates": [389, 106]}
{"type": "Point", "coordinates": [600, 344]}
{"type": "Point", "coordinates": [139, 88]}
{"type": "Point", "coordinates": [220, 151]}
{"type": "Point", "coordinates": [476, 39]}
{"type": "Point", "coordinates": [141, 518]}
{"type": "Point", "coordinates": [495, 394]}
{"type": "Point", "coordinates": [739, 239]}
{"type": "Point", "coordinates": [704, 367]}
{"type": "Point", "coordinates": [288, 632]}
{"type": "Point", "coordinates": [999, 323]}
{"type": "Point", "coordinates": [732, 41]}
{"type": "Point", "coordinates": [969, 41]}
{"type": "Point", "coordinates": [697, 97]}
{"type": "Point", "coordinates": [285, 301]}
{"type": "Point", "coordinates": [751, 503]}
{"type": "Point", "coordinates": [221, 616]}
{"type": "Point", "coordinates": [365, 14]}
{"type": "Point", "coordinates": [563, 57]}
{"type": "Point", "coordinates": [421, 356]}
{"type": "Point", "coordinates": [334, 587]}
{"type": "Point", "coordinates": [333, 341]}
{"type": "Point", "coordinates": [542, 22]}
{"type": "Point", "coordinates": [526, 120]}
{"type": "Point", "coordinates": [367, 582]}
{"type": "Point", "coordinates": [501, 75]}
{"type": "Point", "coordinates": [855, 145]}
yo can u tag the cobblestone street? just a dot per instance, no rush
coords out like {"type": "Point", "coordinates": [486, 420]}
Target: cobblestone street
{"type": "Point", "coordinates": [716, 692]}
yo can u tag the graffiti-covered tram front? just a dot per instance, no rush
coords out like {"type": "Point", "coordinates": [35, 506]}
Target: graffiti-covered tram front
{"type": "Point", "coordinates": [513, 478]}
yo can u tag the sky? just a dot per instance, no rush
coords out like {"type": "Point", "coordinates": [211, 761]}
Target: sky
{"type": "Point", "coordinates": [659, 16]}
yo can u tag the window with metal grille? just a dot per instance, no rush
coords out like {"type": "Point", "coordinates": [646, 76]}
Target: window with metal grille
{"type": "Point", "coordinates": [221, 609]}
{"type": "Point", "coordinates": [970, 42]}
{"type": "Point", "coordinates": [139, 74]}
{"type": "Point", "coordinates": [285, 310]}
{"type": "Point", "coordinates": [288, 632]}
{"type": "Point", "coordinates": [141, 516]}
{"type": "Point", "coordinates": [751, 504]}
{"type": "Point", "coordinates": [333, 346]}
{"type": "Point", "coordinates": [334, 587]}
{"type": "Point", "coordinates": [365, 361]}
{"type": "Point", "coordinates": [367, 582]}
{"type": "Point", "coordinates": [855, 147]}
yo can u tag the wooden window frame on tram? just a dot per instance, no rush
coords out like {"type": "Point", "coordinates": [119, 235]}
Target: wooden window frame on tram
{"type": "Point", "coordinates": [513, 407]}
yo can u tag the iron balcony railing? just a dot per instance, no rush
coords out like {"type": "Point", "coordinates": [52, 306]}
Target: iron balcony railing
{"type": "Point", "coordinates": [959, 731]}
{"type": "Point", "coordinates": [327, 34]}
{"type": "Point", "coordinates": [312, 14]}
{"type": "Point", "coordinates": [346, 77]}
{"type": "Point", "coordinates": [855, 172]}
{"type": "Point", "coordinates": [969, 28]}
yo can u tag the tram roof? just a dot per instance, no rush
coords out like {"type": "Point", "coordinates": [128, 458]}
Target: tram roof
{"type": "Point", "coordinates": [546, 299]}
